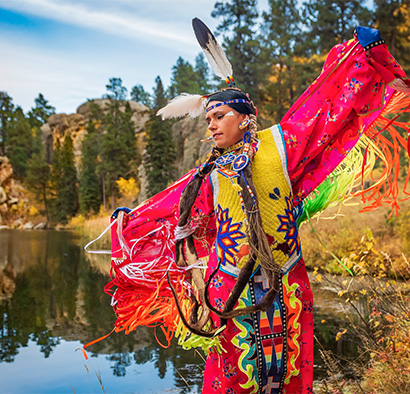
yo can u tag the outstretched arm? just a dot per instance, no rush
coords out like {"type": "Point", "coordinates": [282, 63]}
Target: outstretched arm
{"type": "Point", "coordinates": [331, 115]}
{"type": "Point", "coordinates": [143, 243]}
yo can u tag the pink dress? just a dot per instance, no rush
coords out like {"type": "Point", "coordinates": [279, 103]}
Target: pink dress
{"type": "Point", "coordinates": [265, 352]}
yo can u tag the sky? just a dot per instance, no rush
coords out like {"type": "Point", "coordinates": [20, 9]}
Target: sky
{"type": "Point", "coordinates": [69, 49]}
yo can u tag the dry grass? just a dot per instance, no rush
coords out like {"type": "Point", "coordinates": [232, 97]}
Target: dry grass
{"type": "Point", "coordinates": [342, 235]}
{"type": "Point", "coordinates": [381, 322]}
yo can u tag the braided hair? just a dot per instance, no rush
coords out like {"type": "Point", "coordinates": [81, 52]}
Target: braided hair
{"type": "Point", "coordinates": [258, 243]}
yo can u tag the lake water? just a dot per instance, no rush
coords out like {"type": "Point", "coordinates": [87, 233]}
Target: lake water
{"type": "Point", "coordinates": [53, 302]}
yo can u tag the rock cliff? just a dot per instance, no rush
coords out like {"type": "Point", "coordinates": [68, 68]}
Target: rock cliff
{"type": "Point", "coordinates": [60, 125]}
{"type": "Point", "coordinates": [11, 191]}
{"type": "Point", "coordinates": [186, 134]}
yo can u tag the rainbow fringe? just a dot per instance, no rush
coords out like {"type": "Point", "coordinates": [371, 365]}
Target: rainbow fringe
{"type": "Point", "coordinates": [374, 149]}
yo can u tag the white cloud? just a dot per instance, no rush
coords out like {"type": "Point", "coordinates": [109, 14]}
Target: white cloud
{"type": "Point", "coordinates": [28, 72]}
{"type": "Point", "coordinates": [112, 21]}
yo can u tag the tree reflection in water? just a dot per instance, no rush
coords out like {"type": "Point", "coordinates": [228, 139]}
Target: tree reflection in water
{"type": "Point", "coordinates": [58, 295]}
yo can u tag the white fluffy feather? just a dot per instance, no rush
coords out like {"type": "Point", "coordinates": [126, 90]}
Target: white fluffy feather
{"type": "Point", "coordinates": [192, 104]}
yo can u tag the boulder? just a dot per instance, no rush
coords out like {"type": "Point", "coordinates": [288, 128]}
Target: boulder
{"type": "Point", "coordinates": [60, 125]}
{"type": "Point", "coordinates": [40, 226]}
{"type": "Point", "coordinates": [3, 195]}
{"type": "Point", "coordinates": [17, 223]}
{"type": "Point", "coordinates": [187, 135]}
{"type": "Point", "coordinates": [6, 170]}
{"type": "Point", "coordinates": [28, 226]}
{"type": "Point", "coordinates": [139, 117]}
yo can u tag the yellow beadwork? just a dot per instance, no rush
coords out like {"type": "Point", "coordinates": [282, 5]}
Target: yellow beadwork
{"type": "Point", "coordinates": [268, 178]}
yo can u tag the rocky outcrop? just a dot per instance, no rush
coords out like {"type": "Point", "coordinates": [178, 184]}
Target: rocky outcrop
{"type": "Point", "coordinates": [60, 125]}
{"type": "Point", "coordinates": [11, 191]}
{"type": "Point", "coordinates": [187, 135]}
{"type": "Point", "coordinates": [57, 127]}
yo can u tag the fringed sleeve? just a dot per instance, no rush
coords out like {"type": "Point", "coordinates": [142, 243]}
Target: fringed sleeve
{"type": "Point", "coordinates": [143, 243]}
{"type": "Point", "coordinates": [349, 102]}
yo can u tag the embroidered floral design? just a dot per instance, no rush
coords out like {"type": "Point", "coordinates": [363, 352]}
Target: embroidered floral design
{"type": "Point", "coordinates": [228, 369]}
{"type": "Point", "coordinates": [354, 86]}
{"type": "Point", "coordinates": [217, 282]}
{"type": "Point", "coordinates": [326, 137]}
{"type": "Point", "coordinates": [307, 306]}
{"type": "Point", "coordinates": [357, 65]}
{"type": "Point", "coordinates": [216, 384]}
{"type": "Point", "coordinates": [376, 87]}
{"type": "Point", "coordinates": [332, 118]}
{"type": "Point", "coordinates": [227, 237]}
{"type": "Point", "coordinates": [288, 225]}
{"type": "Point", "coordinates": [298, 293]}
{"type": "Point", "coordinates": [364, 109]}
{"type": "Point", "coordinates": [220, 304]}
{"type": "Point", "coordinates": [291, 140]}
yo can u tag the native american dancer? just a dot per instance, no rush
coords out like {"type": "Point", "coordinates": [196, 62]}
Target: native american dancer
{"type": "Point", "coordinates": [215, 259]}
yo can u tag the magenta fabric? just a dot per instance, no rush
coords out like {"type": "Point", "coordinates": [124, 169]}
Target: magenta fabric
{"type": "Point", "coordinates": [330, 116]}
{"type": "Point", "coordinates": [318, 130]}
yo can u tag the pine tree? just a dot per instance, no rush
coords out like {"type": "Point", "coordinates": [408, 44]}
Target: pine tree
{"type": "Point", "coordinates": [241, 43]}
{"type": "Point", "coordinates": [117, 148]}
{"type": "Point", "coordinates": [69, 190]}
{"type": "Point", "coordinates": [38, 179]}
{"type": "Point", "coordinates": [203, 74]}
{"type": "Point", "coordinates": [89, 185]}
{"type": "Point", "coordinates": [41, 111]}
{"type": "Point", "coordinates": [19, 142]}
{"type": "Point", "coordinates": [392, 18]}
{"type": "Point", "coordinates": [118, 92]}
{"type": "Point", "coordinates": [160, 147]}
{"type": "Point", "coordinates": [282, 34]}
{"type": "Point", "coordinates": [184, 79]}
{"type": "Point", "coordinates": [64, 181]}
{"type": "Point", "coordinates": [6, 111]}
{"type": "Point", "coordinates": [330, 22]}
{"type": "Point", "coordinates": [140, 95]}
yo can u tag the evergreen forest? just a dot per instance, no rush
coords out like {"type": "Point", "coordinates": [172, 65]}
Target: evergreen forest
{"type": "Point", "coordinates": [275, 54]}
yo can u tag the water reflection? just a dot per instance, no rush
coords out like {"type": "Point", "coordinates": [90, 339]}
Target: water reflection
{"type": "Point", "coordinates": [52, 295]}
{"type": "Point", "coordinates": [53, 299]}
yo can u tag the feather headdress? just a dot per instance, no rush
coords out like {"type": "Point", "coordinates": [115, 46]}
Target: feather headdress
{"type": "Point", "coordinates": [194, 104]}
{"type": "Point", "coordinates": [216, 56]}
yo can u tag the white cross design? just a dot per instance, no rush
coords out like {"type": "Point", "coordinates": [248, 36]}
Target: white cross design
{"type": "Point", "coordinates": [263, 278]}
{"type": "Point", "coordinates": [270, 385]}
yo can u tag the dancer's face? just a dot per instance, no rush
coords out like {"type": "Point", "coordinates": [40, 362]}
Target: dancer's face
{"type": "Point", "coordinates": [223, 124]}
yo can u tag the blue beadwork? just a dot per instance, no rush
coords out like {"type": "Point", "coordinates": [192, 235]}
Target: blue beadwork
{"type": "Point", "coordinates": [235, 101]}
{"type": "Point", "coordinates": [226, 159]}
{"type": "Point", "coordinates": [240, 162]}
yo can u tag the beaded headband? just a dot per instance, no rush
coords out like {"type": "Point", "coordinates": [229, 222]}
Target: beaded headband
{"type": "Point", "coordinates": [235, 101]}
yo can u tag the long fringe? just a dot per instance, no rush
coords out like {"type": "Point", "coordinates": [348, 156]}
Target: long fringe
{"type": "Point", "coordinates": [378, 150]}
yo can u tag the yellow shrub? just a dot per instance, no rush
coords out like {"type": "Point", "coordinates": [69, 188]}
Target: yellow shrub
{"type": "Point", "coordinates": [128, 188]}
{"type": "Point", "coordinates": [33, 211]}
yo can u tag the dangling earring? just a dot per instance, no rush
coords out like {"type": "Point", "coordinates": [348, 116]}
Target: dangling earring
{"type": "Point", "coordinates": [244, 124]}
